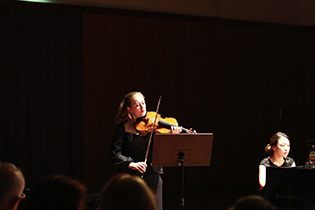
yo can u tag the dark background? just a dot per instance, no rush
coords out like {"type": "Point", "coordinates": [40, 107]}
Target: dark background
{"type": "Point", "coordinates": [65, 69]}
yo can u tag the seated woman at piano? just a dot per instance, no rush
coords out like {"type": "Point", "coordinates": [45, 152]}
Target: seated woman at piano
{"type": "Point", "coordinates": [278, 150]}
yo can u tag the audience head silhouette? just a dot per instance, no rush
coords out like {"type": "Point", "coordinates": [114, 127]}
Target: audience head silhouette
{"type": "Point", "coordinates": [127, 192]}
{"type": "Point", "coordinates": [57, 192]}
{"type": "Point", "coordinates": [12, 184]}
{"type": "Point", "coordinates": [253, 202]}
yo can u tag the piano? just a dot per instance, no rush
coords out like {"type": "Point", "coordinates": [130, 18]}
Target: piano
{"type": "Point", "coordinates": [290, 188]}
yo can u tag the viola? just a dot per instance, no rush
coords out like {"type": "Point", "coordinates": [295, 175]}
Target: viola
{"type": "Point", "coordinates": [161, 125]}
{"type": "Point", "coordinates": [153, 122]}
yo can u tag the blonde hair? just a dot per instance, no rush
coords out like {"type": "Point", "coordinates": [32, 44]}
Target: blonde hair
{"type": "Point", "coordinates": [127, 192]}
{"type": "Point", "coordinates": [274, 141]}
{"type": "Point", "coordinates": [123, 114]}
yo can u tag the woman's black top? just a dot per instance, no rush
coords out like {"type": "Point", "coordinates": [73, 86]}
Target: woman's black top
{"type": "Point", "coordinates": [129, 147]}
{"type": "Point", "coordinates": [288, 162]}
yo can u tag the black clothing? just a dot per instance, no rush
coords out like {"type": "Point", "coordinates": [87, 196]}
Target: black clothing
{"type": "Point", "coordinates": [288, 162]}
{"type": "Point", "coordinates": [130, 147]}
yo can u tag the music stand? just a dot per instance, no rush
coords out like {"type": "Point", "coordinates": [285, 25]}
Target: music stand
{"type": "Point", "coordinates": [182, 150]}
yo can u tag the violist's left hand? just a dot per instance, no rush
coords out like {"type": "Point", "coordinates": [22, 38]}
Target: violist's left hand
{"type": "Point", "coordinates": [191, 131]}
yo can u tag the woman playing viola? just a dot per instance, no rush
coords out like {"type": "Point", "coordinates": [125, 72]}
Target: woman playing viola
{"type": "Point", "coordinates": [129, 146]}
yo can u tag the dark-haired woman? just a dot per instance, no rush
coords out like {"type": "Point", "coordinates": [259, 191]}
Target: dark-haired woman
{"type": "Point", "coordinates": [278, 150]}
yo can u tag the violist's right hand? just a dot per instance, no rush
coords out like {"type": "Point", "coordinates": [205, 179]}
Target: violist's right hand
{"type": "Point", "coordinates": [139, 166]}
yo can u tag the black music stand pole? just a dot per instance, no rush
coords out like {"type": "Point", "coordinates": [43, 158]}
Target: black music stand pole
{"type": "Point", "coordinates": [181, 158]}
